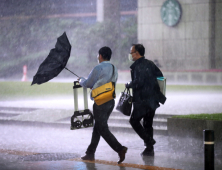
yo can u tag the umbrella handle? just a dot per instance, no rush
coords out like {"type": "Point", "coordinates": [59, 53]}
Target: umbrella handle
{"type": "Point", "coordinates": [71, 72]}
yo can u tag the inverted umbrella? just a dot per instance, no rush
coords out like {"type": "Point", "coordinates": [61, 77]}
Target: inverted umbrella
{"type": "Point", "coordinates": [55, 62]}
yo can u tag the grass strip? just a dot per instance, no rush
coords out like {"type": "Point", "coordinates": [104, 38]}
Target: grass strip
{"type": "Point", "coordinates": [18, 90]}
{"type": "Point", "coordinates": [24, 90]}
{"type": "Point", "coordinates": [215, 116]}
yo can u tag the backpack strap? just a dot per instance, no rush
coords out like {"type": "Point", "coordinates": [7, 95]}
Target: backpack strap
{"type": "Point", "coordinates": [113, 72]}
{"type": "Point", "coordinates": [114, 92]}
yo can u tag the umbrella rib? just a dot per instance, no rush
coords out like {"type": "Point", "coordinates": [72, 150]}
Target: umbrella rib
{"type": "Point", "coordinates": [67, 68]}
{"type": "Point", "coordinates": [71, 72]}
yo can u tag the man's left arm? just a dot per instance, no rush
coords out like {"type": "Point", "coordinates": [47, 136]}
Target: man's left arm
{"type": "Point", "coordinates": [91, 80]}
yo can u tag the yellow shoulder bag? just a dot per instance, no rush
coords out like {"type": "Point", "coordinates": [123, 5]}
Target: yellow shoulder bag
{"type": "Point", "coordinates": [104, 93]}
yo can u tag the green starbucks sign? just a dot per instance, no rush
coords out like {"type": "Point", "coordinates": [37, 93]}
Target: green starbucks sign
{"type": "Point", "coordinates": [171, 12]}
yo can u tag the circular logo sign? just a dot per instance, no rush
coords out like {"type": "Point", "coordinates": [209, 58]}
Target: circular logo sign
{"type": "Point", "coordinates": [171, 12]}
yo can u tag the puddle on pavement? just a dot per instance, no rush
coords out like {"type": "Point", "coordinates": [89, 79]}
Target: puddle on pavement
{"type": "Point", "coordinates": [49, 157]}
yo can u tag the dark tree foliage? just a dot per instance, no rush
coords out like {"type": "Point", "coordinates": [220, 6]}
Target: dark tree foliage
{"type": "Point", "coordinates": [28, 41]}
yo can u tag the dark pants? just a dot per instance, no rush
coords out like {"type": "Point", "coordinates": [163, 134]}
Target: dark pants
{"type": "Point", "coordinates": [101, 116]}
{"type": "Point", "coordinates": [145, 131]}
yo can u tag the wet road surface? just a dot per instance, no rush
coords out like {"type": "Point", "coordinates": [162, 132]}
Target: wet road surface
{"type": "Point", "coordinates": [27, 147]}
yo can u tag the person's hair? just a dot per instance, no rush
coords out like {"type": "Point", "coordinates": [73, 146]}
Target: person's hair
{"type": "Point", "coordinates": [106, 53]}
{"type": "Point", "coordinates": [140, 48]}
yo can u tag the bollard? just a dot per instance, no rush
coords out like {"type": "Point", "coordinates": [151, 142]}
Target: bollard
{"type": "Point", "coordinates": [208, 136]}
{"type": "Point", "coordinates": [24, 77]}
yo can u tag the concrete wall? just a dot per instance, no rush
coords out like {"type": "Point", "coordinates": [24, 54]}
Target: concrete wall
{"type": "Point", "coordinates": [197, 77]}
{"type": "Point", "coordinates": [218, 34]}
{"type": "Point", "coordinates": [180, 77]}
{"type": "Point", "coordinates": [186, 46]}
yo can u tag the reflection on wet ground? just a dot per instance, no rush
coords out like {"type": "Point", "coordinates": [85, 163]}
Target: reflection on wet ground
{"type": "Point", "coordinates": [54, 147]}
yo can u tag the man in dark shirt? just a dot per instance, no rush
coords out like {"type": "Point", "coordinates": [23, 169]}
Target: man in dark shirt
{"type": "Point", "coordinates": [146, 95]}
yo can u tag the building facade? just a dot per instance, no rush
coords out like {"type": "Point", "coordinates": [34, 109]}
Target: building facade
{"type": "Point", "coordinates": [193, 43]}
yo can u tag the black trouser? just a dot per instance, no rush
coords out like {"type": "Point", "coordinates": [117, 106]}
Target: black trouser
{"type": "Point", "coordinates": [145, 131]}
{"type": "Point", "coordinates": [101, 116]}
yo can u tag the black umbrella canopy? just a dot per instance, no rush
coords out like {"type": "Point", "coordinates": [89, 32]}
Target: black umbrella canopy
{"type": "Point", "coordinates": [55, 62]}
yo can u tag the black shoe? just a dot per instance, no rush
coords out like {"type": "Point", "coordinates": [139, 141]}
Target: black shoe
{"type": "Point", "coordinates": [89, 157]}
{"type": "Point", "coordinates": [122, 154]}
{"type": "Point", "coordinates": [151, 142]}
{"type": "Point", "coordinates": [147, 152]}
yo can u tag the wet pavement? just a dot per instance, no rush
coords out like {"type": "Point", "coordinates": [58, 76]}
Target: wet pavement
{"type": "Point", "coordinates": [26, 147]}
{"type": "Point", "coordinates": [33, 137]}
{"type": "Point", "coordinates": [23, 146]}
